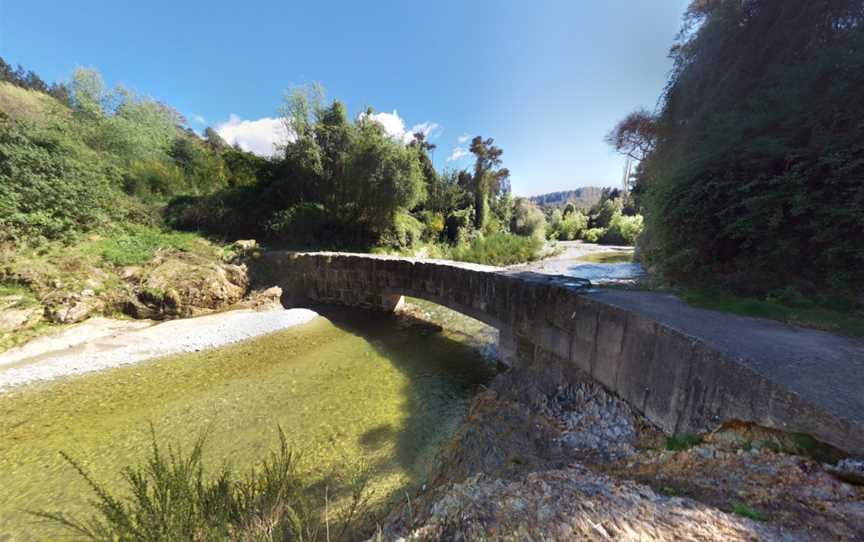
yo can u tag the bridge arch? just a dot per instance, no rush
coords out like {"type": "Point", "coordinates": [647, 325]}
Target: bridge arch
{"type": "Point", "coordinates": [686, 374]}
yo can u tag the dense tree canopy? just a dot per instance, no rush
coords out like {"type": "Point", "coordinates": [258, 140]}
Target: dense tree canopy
{"type": "Point", "coordinates": [752, 169]}
{"type": "Point", "coordinates": [107, 157]}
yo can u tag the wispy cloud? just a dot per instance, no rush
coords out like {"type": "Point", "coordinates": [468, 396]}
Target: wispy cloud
{"type": "Point", "coordinates": [256, 136]}
{"type": "Point", "coordinates": [394, 125]}
{"type": "Point", "coordinates": [457, 154]}
{"type": "Point", "coordinates": [463, 138]}
{"type": "Point", "coordinates": [198, 119]}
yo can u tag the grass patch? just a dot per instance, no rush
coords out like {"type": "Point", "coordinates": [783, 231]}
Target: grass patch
{"type": "Point", "coordinates": [140, 244]}
{"type": "Point", "coordinates": [170, 498]}
{"type": "Point", "coordinates": [29, 105]}
{"type": "Point", "coordinates": [682, 442]}
{"type": "Point", "coordinates": [803, 313]}
{"type": "Point", "coordinates": [498, 249]}
{"type": "Point", "coordinates": [747, 511]}
{"type": "Point", "coordinates": [25, 297]}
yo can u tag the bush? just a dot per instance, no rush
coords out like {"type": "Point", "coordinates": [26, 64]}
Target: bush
{"type": "Point", "coordinates": [567, 227]}
{"type": "Point", "coordinates": [459, 225]}
{"type": "Point", "coordinates": [528, 220]}
{"type": "Point", "coordinates": [51, 186]}
{"type": "Point", "coordinates": [602, 213]}
{"type": "Point", "coordinates": [623, 230]}
{"type": "Point", "coordinates": [406, 232]}
{"type": "Point", "coordinates": [498, 249]}
{"type": "Point", "coordinates": [302, 223]}
{"type": "Point", "coordinates": [231, 213]}
{"type": "Point", "coordinates": [154, 180]}
{"type": "Point", "coordinates": [594, 235]}
{"type": "Point", "coordinates": [433, 226]}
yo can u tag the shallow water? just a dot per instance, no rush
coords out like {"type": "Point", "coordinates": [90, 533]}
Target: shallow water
{"type": "Point", "coordinates": [351, 388]}
{"type": "Point", "coordinates": [602, 267]}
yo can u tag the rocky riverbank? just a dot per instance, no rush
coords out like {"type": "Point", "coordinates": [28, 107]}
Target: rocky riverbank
{"type": "Point", "coordinates": [102, 343]}
{"type": "Point", "coordinates": [41, 292]}
{"type": "Point", "coordinates": [538, 461]}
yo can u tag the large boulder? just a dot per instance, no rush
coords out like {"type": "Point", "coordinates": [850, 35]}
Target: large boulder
{"type": "Point", "coordinates": [16, 318]}
{"type": "Point", "coordinates": [73, 308]}
{"type": "Point", "coordinates": [186, 285]}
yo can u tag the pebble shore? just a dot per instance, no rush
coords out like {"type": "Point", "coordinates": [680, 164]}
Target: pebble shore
{"type": "Point", "coordinates": [126, 345]}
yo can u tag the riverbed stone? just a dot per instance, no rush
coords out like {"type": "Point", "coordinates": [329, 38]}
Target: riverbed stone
{"type": "Point", "coordinates": [15, 319]}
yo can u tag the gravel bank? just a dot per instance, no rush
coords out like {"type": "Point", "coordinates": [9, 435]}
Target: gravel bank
{"type": "Point", "coordinates": [102, 343]}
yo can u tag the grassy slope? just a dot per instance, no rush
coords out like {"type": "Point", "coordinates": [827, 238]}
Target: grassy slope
{"type": "Point", "coordinates": [23, 104]}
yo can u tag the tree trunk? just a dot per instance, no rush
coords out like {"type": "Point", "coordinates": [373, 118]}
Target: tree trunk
{"type": "Point", "coordinates": [479, 208]}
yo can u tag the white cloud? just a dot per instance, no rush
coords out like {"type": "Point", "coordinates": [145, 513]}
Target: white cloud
{"type": "Point", "coordinates": [198, 119]}
{"type": "Point", "coordinates": [457, 154]}
{"type": "Point", "coordinates": [255, 136]}
{"type": "Point", "coordinates": [463, 138]}
{"type": "Point", "coordinates": [394, 125]}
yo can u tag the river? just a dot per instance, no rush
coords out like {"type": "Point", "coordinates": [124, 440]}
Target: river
{"type": "Point", "coordinates": [349, 389]}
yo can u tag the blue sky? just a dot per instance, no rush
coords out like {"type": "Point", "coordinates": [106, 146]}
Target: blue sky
{"type": "Point", "coordinates": [545, 79]}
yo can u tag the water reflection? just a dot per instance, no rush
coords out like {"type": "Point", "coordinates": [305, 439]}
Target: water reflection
{"type": "Point", "coordinates": [599, 273]}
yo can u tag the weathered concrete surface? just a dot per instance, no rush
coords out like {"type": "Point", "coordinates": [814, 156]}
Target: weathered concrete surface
{"type": "Point", "coordinates": [685, 369]}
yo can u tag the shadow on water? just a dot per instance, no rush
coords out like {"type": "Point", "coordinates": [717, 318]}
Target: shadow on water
{"type": "Point", "coordinates": [443, 375]}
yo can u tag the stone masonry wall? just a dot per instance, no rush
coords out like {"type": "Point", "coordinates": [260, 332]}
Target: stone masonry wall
{"type": "Point", "coordinates": [678, 382]}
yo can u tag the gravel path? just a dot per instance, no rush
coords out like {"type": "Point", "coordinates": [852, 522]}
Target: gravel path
{"type": "Point", "coordinates": [103, 343]}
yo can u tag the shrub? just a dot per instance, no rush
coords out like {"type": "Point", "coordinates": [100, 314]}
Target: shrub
{"type": "Point", "coordinates": [433, 226]}
{"type": "Point", "coordinates": [406, 232]}
{"type": "Point", "coordinates": [567, 227]}
{"type": "Point", "coordinates": [528, 219]}
{"type": "Point", "coordinates": [234, 212]}
{"type": "Point", "coordinates": [154, 180]}
{"type": "Point", "coordinates": [51, 186]}
{"type": "Point", "coordinates": [623, 230]}
{"type": "Point", "coordinates": [593, 235]}
{"type": "Point", "coordinates": [459, 225]}
{"type": "Point", "coordinates": [602, 213]}
{"type": "Point", "coordinates": [302, 223]}
{"type": "Point", "coordinates": [498, 249]}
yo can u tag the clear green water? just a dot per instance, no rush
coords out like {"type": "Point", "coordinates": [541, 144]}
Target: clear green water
{"type": "Point", "coordinates": [607, 257]}
{"type": "Point", "coordinates": [350, 388]}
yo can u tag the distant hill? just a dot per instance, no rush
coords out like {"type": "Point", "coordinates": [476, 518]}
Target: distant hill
{"type": "Point", "coordinates": [581, 197]}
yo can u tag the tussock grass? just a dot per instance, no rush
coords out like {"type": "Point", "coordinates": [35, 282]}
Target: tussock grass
{"type": "Point", "coordinates": [170, 497]}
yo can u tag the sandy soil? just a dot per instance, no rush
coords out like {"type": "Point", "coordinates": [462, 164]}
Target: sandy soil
{"type": "Point", "coordinates": [100, 343]}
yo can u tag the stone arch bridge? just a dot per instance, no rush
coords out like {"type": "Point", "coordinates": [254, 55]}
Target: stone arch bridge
{"type": "Point", "coordinates": [687, 370]}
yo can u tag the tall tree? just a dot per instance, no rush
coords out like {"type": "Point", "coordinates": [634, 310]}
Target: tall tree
{"type": "Point", "coordinates": [433, 186]}
{"type": "Point", "coordinates": [488, 178]}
